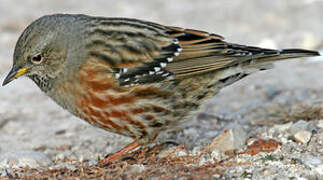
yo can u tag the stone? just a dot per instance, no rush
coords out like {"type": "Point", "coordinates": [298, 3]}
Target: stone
{"type": "Point", "coordinates": [31, 159]}
{"type": "Point", "coordinates": [319, 169]}
{"type": "Point", "coordinates": [230, 139]}
{"type": "Point", "coordinates": [320, 124]}
{"type": "Point", "coordinates": [300, 125]}
{"type": "Point", "coordinates": [313, 161]}
{"type": "Point", "coordinates": [282, 127]}
{"type": "Point", "coordinates": [302, 136]}
{"type": "Point", "coordinates": [136, 168]}
{"type": "Point", "coordinates": [166, 152]}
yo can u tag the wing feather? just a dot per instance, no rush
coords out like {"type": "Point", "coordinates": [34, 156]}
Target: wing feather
{"type": "Point", "coordinates": [140, 52]}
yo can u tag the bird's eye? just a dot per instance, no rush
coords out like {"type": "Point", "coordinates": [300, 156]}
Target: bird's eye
{"type": "Point", "coordinates": [37, 59]}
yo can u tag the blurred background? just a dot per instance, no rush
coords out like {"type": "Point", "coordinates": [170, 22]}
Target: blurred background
{"type": "Point", "coordinates": [31, 121]}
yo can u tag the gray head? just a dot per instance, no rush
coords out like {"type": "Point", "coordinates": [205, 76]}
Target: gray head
{"type": "Point", "coordinates": [42, 49]}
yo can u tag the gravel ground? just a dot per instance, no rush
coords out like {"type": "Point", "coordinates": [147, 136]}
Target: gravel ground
{"type": "Point", "coordinates": [283, 104]}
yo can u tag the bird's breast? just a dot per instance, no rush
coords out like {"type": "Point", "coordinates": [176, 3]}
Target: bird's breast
{"type": "Point", "coordinates": [130, 111]}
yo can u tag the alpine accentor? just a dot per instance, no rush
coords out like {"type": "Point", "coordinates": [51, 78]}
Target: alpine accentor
{"type": "Point", "coordinates": [132, 77]}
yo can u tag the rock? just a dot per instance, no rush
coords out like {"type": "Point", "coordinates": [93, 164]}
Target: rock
{"type": "Point", "coordinates": [136, 168]}
{"type": "Point", "coordinates": [196, 150]}
{"type": "Point", "coordinates": [300, 125]}
{"type": "Point", "coordinates": [282, 127]}
{"type": "Point", "coordinates": [302, 136]}
{"type": "Point", "coordinates": [31, 159]}
{"type": "Point", "coordinates": [230, 140]}
{"type": "Point", "coordinates": [60, 157]}
{"type": "Point", "coordinates": [319, 169]}
{"type": "Point", "coordinates": [92, 162]}
{"type": "Point", "coordinates": [180, 153]}
{"type": "Point", "coordinates": [320, 124]}
{"type": "Point", "coordinates": [166, 152]}
{"type": "Point", "coordinates": [313, 161]}
{"type": "Point", "coordinates": [218, 155]}
{"type": "Point", "coordinates": [268, 172]}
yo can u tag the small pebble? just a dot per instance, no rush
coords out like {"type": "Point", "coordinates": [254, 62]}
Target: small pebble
{"type": "Point", "coordinates": [230, 140]}
{"type": "Point", "coordinates": [300, 125]}
{"type": "Point", "coordinates": [319, 169]}
{"type": "Point", "coordinates": [60, 157]}
{"type": "Point", "coordinates": [313, 161]}
{"type": "Point", "coordinates": [320, 124]}
{"type": "Point", "coordinates": [282, 127]}
{"type": "Point", "coordinates": [218, 155]}
{"type": "Point", "coordinates": [303, 136]}
{"type": "Point", "coordinates": [268, 172]}
{"type": "Point", "coordinates": [135, 168]}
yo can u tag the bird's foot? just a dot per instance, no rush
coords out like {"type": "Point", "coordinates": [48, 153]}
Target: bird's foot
{"type": "Point", "coordinates": [119, 154]}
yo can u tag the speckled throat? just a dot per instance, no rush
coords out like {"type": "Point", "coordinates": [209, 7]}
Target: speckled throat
{"type": "Point", "coordinates": [43, 82]}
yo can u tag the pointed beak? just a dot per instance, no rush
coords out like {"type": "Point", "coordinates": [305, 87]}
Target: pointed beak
{"type": "Point", "coordinates": [14, 74]}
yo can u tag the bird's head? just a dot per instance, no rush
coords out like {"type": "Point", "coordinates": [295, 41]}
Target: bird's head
{"type": "Point", "coordinates": [40, 51]}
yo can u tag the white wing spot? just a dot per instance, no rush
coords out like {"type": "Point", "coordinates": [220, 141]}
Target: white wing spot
{"type": "Point", "coordinates": [169, 59]}
{"type": "Point", "coordinates": [157, 69]}
{"type": "Point", "coordinates": [125, 70]}
{"type": "Point", "coordinates": [163, 65]}
{"type": "Point", "coordinates": [176, 54]}
{"type": "Point", "coordinates": [151, 72]}
{"type": "Point", "coordinates": [166, 74]}
{"type": "Point", "coordinates": [179, 49]}
{"type": "Point", "coordinates": [128, 79]}
{"type": "Point", "coordinates": [117, 75]}
{"type": "Point", "coordinates": [160, 72]}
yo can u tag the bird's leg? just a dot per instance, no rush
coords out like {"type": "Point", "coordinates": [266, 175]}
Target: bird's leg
{"type": "Point", "coordinates": [125, 150]}
{"type": "Point", "coordinates": [120, 153]}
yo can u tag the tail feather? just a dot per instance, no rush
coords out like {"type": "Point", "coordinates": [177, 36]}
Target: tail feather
{"type": "Point", "coordinates": [232, 74]}
{"type": "Point", "coordinates": [299, 53]}
{"type": "Point", "coordinates": [290, 53]}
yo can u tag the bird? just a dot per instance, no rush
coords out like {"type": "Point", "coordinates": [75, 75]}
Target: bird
{"type": "Point", "coordinates": [133, 77]}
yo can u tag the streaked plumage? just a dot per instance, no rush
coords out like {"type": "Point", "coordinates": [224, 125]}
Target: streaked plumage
{"type": "Point", "coordinates": [133, 77]}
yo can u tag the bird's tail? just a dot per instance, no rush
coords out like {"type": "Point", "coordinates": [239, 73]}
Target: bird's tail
{"type": "Point", "coordinates": [265, 60]}
{"type": "Point", "coordinates": [289, 53]}
{"type": "Point", "coordinates": [262, 61]}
